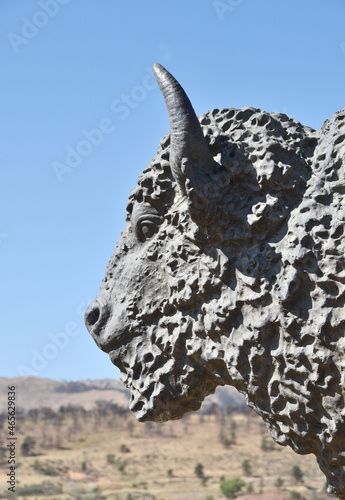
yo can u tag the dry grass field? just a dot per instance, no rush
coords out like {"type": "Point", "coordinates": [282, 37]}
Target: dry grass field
{"type": "Point", "coordinates": [101, 454]}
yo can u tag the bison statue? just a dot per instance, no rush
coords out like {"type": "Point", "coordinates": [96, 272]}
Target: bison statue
{"type": "Point", "coordinates": [231, 270]}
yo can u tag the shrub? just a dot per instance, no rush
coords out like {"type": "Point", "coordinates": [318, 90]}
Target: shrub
{"type": "Point", "coordinates": [46, 488]}
{"type": "Point", "coordinates": [46, 468]}
{"type": "Point", "coordinates": [124, 449]}
{"type": "Point", "coordinates": [295, 495]}
{"type": "Point", "coordinates": [297, 473]}
{"type": "Point", "coordinates": [267, 444]}
{"type": "Point", "coordinates": [28, 445]}
{"type": "Point", "coordinates": [264, 444]}
{"type": "Point", "coordinates": [199, 470]}
{"type": "Point", "coordinates": [170, 473]}
{"type": "Point", "coordinates": [117, 462]}
{"type": "Point", "coordinates": [121, 464]}
{"type": "Point", "coordinates": [142, 484]}
{"type": "Point", "coordinates": [279, 482]}
{"type": "Point", "coordinates": [229, 487]}
{"type": "Point", "coordinates": [246, 467]}
{"type": "Point", "coordinates": [227, 442]}
{"type": "Point", "coordinates": [111, 459]}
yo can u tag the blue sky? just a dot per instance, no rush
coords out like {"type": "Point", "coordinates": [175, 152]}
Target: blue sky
{"type": "Point", "coordinates": [77, 77]}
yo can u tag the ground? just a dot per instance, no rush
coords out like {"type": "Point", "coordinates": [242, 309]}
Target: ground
{"type": "Point", "coordinates": [103, 455]}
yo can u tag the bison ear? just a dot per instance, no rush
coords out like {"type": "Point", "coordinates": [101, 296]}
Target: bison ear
{"type": "Point", "coordinates": [191, 161]}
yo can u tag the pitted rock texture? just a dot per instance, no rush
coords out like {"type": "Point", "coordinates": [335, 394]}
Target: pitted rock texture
{"type": "Point", "coordinates": [234, 273]}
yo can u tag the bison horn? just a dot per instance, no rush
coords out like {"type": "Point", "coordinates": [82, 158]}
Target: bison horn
{"type": "Point", "coordinates": [186, 138]}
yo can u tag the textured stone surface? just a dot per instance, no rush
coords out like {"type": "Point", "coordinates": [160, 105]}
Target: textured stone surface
{"type": "Point", "coordinates": [230, 270]}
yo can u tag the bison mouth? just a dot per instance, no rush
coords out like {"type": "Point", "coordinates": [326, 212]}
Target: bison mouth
{"type": "Point", "coordinates": [120, 340]}
{"type": "Point", "coordinates": [162, 386]}
{"type": "Point", "coordinates": [118, 350]}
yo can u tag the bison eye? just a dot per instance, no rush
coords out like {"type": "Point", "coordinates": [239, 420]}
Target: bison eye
{"type": "Point", "coordinates": [147, 226]}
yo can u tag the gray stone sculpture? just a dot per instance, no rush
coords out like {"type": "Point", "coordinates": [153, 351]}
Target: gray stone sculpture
{"type": "Point", "coordinates": [231, 270]}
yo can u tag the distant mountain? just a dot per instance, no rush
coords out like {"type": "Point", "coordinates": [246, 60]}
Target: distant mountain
{"type": "Point", "coordinates": [34, 392]}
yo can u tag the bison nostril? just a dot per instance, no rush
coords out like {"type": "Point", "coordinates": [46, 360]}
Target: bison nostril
{"type": "Point", "coordinates": [96, 316]}
{"type": "Point", "coordinates": [93, 316]}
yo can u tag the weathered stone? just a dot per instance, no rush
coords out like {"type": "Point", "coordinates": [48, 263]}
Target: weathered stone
{"type": "Point", "coordinates": [231, 270]}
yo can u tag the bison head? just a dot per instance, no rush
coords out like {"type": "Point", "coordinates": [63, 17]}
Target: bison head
{"type": "Point", "coordinates": [230, 270]}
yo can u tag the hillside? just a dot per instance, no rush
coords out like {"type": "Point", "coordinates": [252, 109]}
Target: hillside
{"type": "Point", "coordinates": [105, 454]}
{"type": "Point", "coordinates": [34, 392]}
